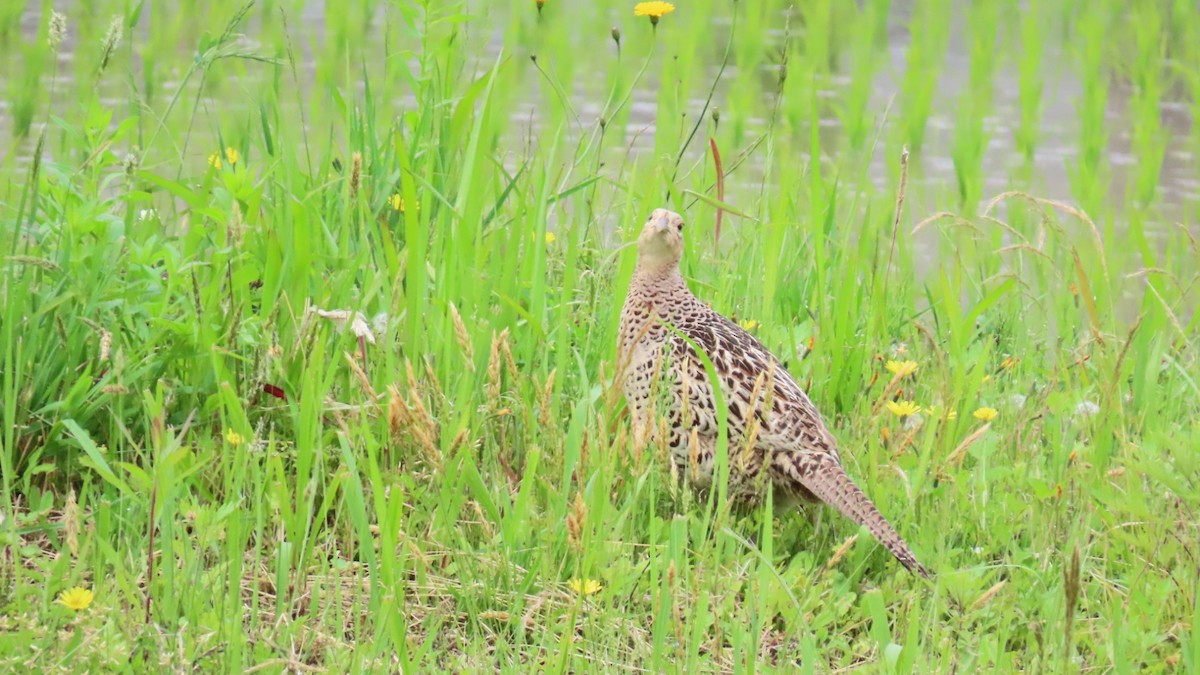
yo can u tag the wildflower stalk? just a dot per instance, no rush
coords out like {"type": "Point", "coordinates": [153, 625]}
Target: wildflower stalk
{"type": "Point", "coordinates": [216, 51]}
{"type": "Point", "coordinates": [711, 91]}
{"type": "Point", "coordinates": [562, 95]}
{"type": "Point", "coordinates": [608, 112]}
{"type": "Point", "coordinates": [56, 34]}
{"type": "Point", "coordinates": [887, 269]}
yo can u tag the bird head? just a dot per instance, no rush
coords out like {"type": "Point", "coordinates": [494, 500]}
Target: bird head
{"type": "Point", "coordinates": [661, 244]}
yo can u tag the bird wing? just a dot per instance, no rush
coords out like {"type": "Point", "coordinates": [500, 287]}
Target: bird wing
{"type": "Point", "coordinates": [754, 384]}
{"type": "Point", "coordinates": [789, 433]}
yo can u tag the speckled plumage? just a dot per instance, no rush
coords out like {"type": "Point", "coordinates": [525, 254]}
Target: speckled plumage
{"type": "Point", "coordinates": [775, 431]}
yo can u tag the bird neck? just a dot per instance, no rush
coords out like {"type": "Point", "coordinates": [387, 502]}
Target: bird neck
{"type": "Point", "coordinates": [664, 278]}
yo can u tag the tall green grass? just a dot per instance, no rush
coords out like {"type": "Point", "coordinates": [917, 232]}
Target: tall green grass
{"type": "Point", "coordinates": [307, 342]}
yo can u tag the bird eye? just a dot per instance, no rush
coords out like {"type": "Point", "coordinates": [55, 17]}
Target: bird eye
{"type": "Point", "coordinates": [681, 226]}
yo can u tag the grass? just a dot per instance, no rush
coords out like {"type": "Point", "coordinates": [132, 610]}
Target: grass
{"type": "Point", "coordinates": [276, 422]}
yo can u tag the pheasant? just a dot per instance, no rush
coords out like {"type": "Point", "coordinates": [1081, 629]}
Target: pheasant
{"type": "Point", "coordinates": [775, 432]}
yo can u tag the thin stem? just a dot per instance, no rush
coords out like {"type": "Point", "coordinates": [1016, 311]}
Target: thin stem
{"type": "Point", "coordinates": [711, 91]}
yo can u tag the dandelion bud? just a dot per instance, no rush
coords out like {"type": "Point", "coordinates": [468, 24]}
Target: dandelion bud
{"type": "Point", "coordinates": [58, 30]}
{"type": "Point", "coordinates": [716, 116]}
{"type": "Point", "coordinates": [540, 3]}
{"type": "Point", "coordinates": [616, 35]}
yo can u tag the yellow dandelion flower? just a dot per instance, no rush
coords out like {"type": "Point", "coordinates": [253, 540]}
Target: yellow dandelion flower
{"type": "Point", "coordinates": [231, 155]}
{"type": "Point", "coordinates": [77, 598]}
{"type": "Point", "coordinates": [654, 10]}
{"type": "Point", "coordinates": [749, 324]}
{"type": "Point", "coordinates": [903, 408]}
{"type": "Point", "coordinates": [1009, 362]}
{"type": "Point", "coordinates": [585, 586]}
{"type": "Point", "coordinates": [985, 414]}
{"type": "Point", "coordinates": [902, 368]}
{"type": "Point", "coordinates": [551, 237]}
{"type": "Point", "coordinates": [214, 160]}
{"type": "Point", "coordinates": [396, 202]}
{"type": "Point", "coordinates": [936, 413]}
{"type": "Point", "coordinates": [233, 437]}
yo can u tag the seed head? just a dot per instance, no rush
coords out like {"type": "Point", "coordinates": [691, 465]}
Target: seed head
{"type": "Point", "coordinates": [130, 162]}
{"type": "Point", "coordinates": [112, 39]}
{"type": "Point", "coordinates": [576, 520]}
{"type": "Point", "coordinates": [105, 345]}
{"type": "Point", "coordinates": [463, 337]}
{"type": "Point", "coordinates": [70, 520]}
{"type": "Point", "coordinates": [397, 412]}
{"type": "Point", "coordinates": [544, 399]}
{"type": "Point", "coordinates": [116, 31]}
{"type": "Point", "coordinates": [58, 30]}
{"type": "Point", "coordinates": [493, 373]}
{"type": "Point", "coordinates": [355, 173]}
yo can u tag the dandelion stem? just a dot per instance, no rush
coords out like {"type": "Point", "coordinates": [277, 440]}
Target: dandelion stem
{"type": "Point", "coordinates": [608, 114]}
{"type": "Point", "coordinates": [887, 270]}
{"type": "Point", "coordinates": [562, 95]}
{"type": "Point", "coordinates": [711, 91]}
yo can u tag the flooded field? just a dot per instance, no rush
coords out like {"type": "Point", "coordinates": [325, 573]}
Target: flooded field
{"type": "Point", "coordinates": [993, 124]}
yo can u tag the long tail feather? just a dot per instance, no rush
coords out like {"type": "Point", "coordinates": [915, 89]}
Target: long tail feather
{"type": "Point", "coordinates": [828, 481]}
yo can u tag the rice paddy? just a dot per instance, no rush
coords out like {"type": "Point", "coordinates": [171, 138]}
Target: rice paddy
{"type": "Point", "coordinates": [307, 339]}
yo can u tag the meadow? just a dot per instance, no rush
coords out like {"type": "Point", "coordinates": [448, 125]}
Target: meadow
{"type": "Point", "coordinates": [308, 326]}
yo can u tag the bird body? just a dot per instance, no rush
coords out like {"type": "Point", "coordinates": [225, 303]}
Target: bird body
{"type": "Point", "coordinates": [775, 432]}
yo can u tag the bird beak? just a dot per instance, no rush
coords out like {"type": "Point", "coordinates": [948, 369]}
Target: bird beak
{"type": "Point", "coordinates": [662, 224]}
